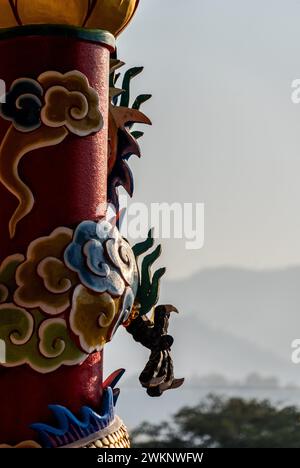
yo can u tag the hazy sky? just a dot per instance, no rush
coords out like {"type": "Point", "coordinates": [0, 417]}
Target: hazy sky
{"type": "Point", "coordinates": [225, 130]}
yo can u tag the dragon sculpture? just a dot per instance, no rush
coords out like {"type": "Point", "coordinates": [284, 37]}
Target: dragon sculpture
{"type": "Point", "coordinates": [68, 279]}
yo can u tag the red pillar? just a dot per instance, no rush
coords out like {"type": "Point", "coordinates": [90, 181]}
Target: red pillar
{"type": "Point", "coordinates": [68, 182]}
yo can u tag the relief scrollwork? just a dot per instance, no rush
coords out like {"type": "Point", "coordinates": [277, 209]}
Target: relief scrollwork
{"type": "Point", "coordinates": [67, 296]}
{"type": "Point", "coordinates": [43, 113]}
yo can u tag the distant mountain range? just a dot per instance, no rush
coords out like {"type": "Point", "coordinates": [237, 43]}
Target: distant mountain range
{"type": "Point", "coordinates": [218, 383]}
{"type": "Point", "coordinates": [233, 322]}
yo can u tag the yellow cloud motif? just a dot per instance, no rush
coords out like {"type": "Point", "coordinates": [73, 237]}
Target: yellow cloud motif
{"type": "Point", "coordinates": [27, 444]}
{"type": "Point", "coordinates": [109, 15]}
{"type": "Point", "coordinates": [43, 279]}
{"type": "Point", "coordinates": [91, 317]}
{"type": "Point", "coordinates": [70, 102]}
{"type": "Point", "coordinates": [7, 276]}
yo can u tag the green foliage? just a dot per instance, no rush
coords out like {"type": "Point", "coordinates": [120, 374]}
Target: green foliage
{"type": "Point", "coordinates": [148, 291]}
{"type": "Point", "coordinates": [225, 423]}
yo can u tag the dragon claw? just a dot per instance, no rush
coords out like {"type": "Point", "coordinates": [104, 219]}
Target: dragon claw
{"type": "Point", "coordinates": [170, 308]}
{"type": "Point", "coordinates": [158, 374]}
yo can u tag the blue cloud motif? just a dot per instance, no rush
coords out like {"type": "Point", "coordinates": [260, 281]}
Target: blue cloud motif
{"type": "Point", "coordinates": [23, 104]}
{"type": "Point", "coordinates": [87, 255]}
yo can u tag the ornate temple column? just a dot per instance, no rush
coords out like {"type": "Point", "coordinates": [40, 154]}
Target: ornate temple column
{"type": "Point", "coordinates": [68, 279]}
{"type": "Point", "coordinates": [53, 174]}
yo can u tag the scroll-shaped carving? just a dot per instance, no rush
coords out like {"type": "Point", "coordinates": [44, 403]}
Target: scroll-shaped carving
{"type": "Point", "coordinates": [43, 279]}
{"type": "Point", "coordinates": [43, 113]}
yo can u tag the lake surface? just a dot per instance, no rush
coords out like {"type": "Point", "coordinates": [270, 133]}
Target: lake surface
{"type": "Point", "coordinates": [135, 406]}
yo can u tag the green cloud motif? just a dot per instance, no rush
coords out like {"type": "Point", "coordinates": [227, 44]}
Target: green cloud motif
{"type": "Point", "coordinates": [43, 344]}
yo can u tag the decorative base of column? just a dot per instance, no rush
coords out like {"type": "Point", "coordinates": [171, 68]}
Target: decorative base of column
{"type": "Point", "coordinates": [115, 436]}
